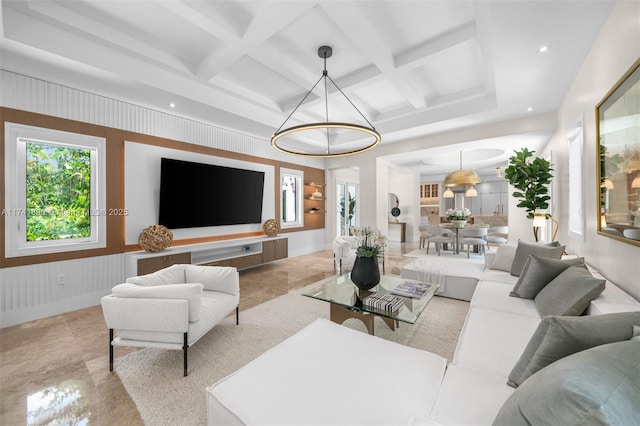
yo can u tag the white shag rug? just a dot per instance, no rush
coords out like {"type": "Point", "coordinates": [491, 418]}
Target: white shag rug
{"type": "Point", "coordinates": [153, 377]}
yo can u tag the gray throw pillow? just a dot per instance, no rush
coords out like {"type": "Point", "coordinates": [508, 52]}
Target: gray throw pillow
{"type": "Point", "coordinates": [557, 337]}
{"type": "Point", "coordinates": [538, 272]}
{"type": "Point", "coordinates": [596, 386]}
{"type": "Point", "coordinates": [569, 293]}
{"type": "Point", "coordinates": [525, 249]}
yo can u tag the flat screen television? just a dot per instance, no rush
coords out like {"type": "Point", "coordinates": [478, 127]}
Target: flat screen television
{"type": "Point", "coordinates": [195, 195]}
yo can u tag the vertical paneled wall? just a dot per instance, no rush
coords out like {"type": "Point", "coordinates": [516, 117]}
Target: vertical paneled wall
{"type": "Point", "coordinates": [45, 289]}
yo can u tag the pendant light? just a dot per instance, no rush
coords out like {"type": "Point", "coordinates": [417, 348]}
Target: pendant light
{"type": "Point", "coordinates": [327, 138]}
{"type": "Point", "coordinates": [462, 177]}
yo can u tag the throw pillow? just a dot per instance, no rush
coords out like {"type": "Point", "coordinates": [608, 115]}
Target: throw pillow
{"type": "Point", "coordinates": [596, 386]}
{"type": "Point", "coordinates": [173, 274]}
{"type": "Point", "coordinates": [215, 278]}
{"type": "Point", "coordinates": [524, 249]}
{"type": "Point", "coordinates": [569, 293]}
{"type": "Point", "coordinates": [557, 337]}
{"type": "Point", "coordinates": [538, 272]}
{"type": "Point", "coordinates": [504, 257]}
{"type": "Point", "coordinates": [190, 292]}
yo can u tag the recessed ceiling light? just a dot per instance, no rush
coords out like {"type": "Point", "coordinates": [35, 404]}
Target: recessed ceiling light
{"type": "Point", "coordinates": [529, 109]}
{"type": "Point", "coordinates": [543, 48]}
{"type": "Point", "coordinates": [172, 105]}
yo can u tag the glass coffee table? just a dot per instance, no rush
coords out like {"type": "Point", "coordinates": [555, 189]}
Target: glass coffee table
{"type": "Point", "coordinates": [345, 300]}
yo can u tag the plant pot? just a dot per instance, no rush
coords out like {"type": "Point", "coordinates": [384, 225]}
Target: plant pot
{"type": "Point", "coordinates": [459, 223]}
{"type": "Point", "coordinates": [365, 273]}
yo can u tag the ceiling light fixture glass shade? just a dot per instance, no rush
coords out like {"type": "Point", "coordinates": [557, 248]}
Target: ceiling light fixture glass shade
{"type": "Point", "coordinates": [461, 177]}
{"type": "Point", "coordinates": [471, 192]}
{"type": "Point", "coordinates": [448, 193]}
{"type": "Point", "coordinates": [327, 138]}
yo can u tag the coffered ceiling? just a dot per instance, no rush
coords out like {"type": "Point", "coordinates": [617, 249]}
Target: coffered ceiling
{"type": "Point", "coordinates": [414, 68]}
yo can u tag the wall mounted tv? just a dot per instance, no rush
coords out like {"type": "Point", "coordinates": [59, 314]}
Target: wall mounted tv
{"type": "Point", "coordinates": [194, 195]}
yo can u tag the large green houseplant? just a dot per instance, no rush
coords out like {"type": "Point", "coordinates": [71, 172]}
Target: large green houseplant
{"type": "Point", "coordinates": [531, 178]}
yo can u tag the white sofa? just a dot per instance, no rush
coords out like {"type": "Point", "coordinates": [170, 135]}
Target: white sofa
{"type": "Point", "coordinates": [328, 374]}
{"type": "Point", "coordinates": [171, 308]}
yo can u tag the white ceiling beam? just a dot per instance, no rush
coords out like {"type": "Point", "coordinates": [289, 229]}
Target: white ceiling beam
{"type": "Point", "coordinates": [137, 69]}
{"type": "Point", "coordinates": [214, 24]}
{"type": "Point", "coordinates": [419, 54]}
{"type": "Point", "coordinates": [353, 80]}
{"type": "Point", "coordinates": [271, 19]}
{"type": "Point", "coordinates": [129, 44]}
{"type": "Point", "coordinates": [349, 18]}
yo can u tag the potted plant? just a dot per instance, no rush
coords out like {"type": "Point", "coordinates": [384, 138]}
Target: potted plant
{"type": "Point", "coordinates": [531, 178]}
{"type": "Point", "coordinates": [365, 273]}
{"type": "Point", "coordinates": [458, 217]}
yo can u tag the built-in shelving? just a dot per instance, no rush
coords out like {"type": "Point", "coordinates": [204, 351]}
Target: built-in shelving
{"type": "Point", "coordinates": [314, 204]}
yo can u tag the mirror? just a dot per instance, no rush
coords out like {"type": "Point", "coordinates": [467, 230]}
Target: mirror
{"type": "Point", "coordinates": [618, 148]}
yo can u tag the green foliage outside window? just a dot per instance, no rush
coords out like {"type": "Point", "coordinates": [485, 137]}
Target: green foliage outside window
{"type": "Point", "coordinates": [58, 192]}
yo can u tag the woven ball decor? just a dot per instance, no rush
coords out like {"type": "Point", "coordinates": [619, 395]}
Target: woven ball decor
{"type": "Point", "coordinates": [271, 227]}
{"type": "Point", "coordinates": [155, 238]}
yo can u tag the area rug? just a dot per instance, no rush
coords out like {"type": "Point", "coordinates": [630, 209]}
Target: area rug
{"type": "Point", "coordinates": [153, 377]}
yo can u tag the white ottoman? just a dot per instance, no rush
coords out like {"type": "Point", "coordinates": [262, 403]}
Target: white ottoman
{"type": "Point", "coordinates": [327, 374]}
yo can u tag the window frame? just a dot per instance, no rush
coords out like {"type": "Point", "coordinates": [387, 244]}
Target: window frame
{"type": "Point", "coordinates": [16, 138]}
{"type": "Point", "coordinates": [300, 194]}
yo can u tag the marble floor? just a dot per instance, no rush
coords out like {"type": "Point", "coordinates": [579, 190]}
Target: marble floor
{"type": "Point", "coordinates": [56, 370]}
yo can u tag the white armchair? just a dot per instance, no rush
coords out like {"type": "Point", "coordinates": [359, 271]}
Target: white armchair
{"type": "Point", "coordinates": [344, 251]}
{"type": "Point", "coordinates": [171, 308]}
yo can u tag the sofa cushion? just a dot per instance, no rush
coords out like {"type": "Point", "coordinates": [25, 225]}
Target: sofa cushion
{"type": "Point", "coordinates": [612, 299]}
{"type": "Point", "coordinates": [569, 293]}
{"type": "Point", "coordinates": [190, 292]}
{"type": "Point", "coordinates": [492, 341]}
{"type": "Point", "coordinates": [503, 257]}
{"type": "Point", "coordinates": [557, 337]}
{"type": "Point", "coordinates": [538, 272]}
{"type": "Point", "coordinates": [495, 295]}
{"type": "Point", "coordinates": [174, 274]}
{"type": "Point", "coordinates": [524, 249]}
{"type": "Point", "coordinates": [214, 278]}
{"type": "Point", "coordinates": [469, 397]}
{"type": "Point", "coordinates": [596, 386]}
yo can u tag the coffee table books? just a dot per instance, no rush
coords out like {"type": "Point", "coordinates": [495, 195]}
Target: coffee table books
{"type": "Point", "coordinates": [412, 289]}
{"type": "Point", "coordinates": [385, 302]}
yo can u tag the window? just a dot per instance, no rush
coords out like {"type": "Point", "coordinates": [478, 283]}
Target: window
{"type": "Point", "coordinates": [292, 193]}
{"type": "Point", "coordinates": [55, 191]}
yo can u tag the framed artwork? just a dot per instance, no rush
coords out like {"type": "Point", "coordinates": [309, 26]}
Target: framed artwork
{"type": "Point", "coordinates": [618, 159]}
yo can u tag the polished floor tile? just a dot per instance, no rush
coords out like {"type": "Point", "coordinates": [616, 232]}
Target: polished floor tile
{"type": "Point", "coordinates": [56, 370]}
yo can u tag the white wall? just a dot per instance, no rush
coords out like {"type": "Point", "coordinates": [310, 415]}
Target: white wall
{"type": "Point", "coordinates": [142, 190]}
{"type": "Point", "coordinates": [405, 183]}
{"type": "Point", "coordinates": [614, 51]}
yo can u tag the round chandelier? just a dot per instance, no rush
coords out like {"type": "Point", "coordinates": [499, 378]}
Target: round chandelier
{"type": "Point", "coordinates": [327, 138]}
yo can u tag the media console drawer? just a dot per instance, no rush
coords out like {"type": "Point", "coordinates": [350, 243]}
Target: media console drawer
{"type": "Point", "coordinates": [152, 264]}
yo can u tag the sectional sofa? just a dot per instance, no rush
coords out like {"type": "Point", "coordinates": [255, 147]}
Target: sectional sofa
{"type": "Point", "coordinates": [519, 360]}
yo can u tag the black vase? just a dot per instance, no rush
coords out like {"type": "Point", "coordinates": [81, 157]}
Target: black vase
{"type": "Point", "coordinates": [365, 273]}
